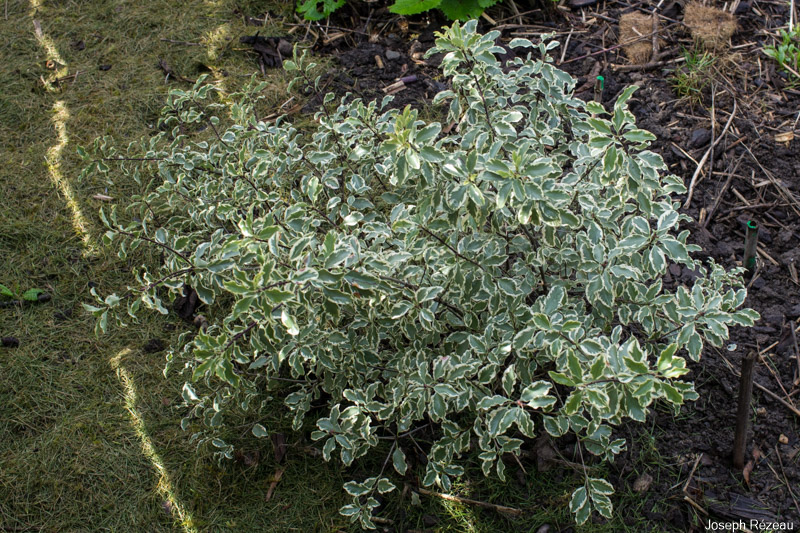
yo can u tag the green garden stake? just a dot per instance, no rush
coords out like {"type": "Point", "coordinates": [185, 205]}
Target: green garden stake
{"type": "Point", "coordinates": [750, 243]}
{"type": "Point", "coordinates": [599, 84]}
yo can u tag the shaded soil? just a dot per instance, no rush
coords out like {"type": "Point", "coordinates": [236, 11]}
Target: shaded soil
{"type": "Point", "coordinates": [763, 186]}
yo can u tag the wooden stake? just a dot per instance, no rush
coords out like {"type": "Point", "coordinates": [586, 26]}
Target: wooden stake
{"type": "Point", "coordinates": [598, 89]}
{"type": "Point", "coordinates": [743, 412]}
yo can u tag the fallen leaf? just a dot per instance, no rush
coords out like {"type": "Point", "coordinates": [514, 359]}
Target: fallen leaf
{"type": "Point", "coordinates": [643, 482]}
{"type": "Point", "coordinates": [784, 137]}
{"type": "Point", "coordinates": [746, 472]}
{"type": "Point", "coordinates": [275, 478]}
{"type": "Point", "coordinates": [757, 453]}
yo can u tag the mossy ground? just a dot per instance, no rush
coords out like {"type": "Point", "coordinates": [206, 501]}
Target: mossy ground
{"type": "Point", "coordinates": [89, 431]}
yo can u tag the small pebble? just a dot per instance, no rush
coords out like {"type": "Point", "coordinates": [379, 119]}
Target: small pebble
{"type": "Point", "coordinates": [700, 137]}
{"type": "Point", "coordinates": [391, 54]}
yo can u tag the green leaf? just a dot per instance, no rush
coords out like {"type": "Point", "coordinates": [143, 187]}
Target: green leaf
{"type": "Point", "coordinates": [206, 295]}
{"type": "Point", "coordinates": [579, 500]}
{"type": "Point", "coordinates": [5, 292]}
{"type": "Point", "coordinates": [399, 461]}
{"type": "Point", "coordinates": [575, 368]}
{"type": "Point", "coordinates": [541, 321]}
{"type": "Point", "coordinates": [591, 347]}
{"type": "Point", "coordinates": [412, 7]}
{"type": "Point", "coordinates": [488, 402]}
{"type": "Point", "coordinates": [288, 321]}
{"type": "Point", "coordinates": [277, 296]}
{"type": "Point", "coordinates": [561, 379]}
{"type": "Point", "coordinates": [523, 338]}
{"type": "Point", "coordinates": [460, 10]}
{"type": "Point", "coordinates": [32, 295]}
{"type": "Point", "coordinates": [535, 390]}
{"type": "Point", "coordinates": [260, 431]}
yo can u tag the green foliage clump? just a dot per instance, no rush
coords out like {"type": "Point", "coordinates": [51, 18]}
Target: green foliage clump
{"type": "Point", "coordinates": [318, 9]}
{"type": "Point", "coordinates": [787, 53]}
{"type": "Point", "coordinates": [486, 282]}
{"type": "Point", "coordinates": [692, 78]}
{"type": "Point", "coordinates": [452, 9]}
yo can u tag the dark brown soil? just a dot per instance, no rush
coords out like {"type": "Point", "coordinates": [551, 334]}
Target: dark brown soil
{"type": "Point", "coordinates": [697, 442]}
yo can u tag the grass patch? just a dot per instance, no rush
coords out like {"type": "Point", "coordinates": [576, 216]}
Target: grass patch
{"type": "Point", "coordinates": [90, 436]}
{"type": "Point", "coordinates": [694, 76]}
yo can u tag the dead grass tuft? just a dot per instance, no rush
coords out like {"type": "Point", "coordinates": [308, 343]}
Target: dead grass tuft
{"type": "Point", "coordinates": [634, 26]}
{"type": "Point", "coordinates": [710, 26]}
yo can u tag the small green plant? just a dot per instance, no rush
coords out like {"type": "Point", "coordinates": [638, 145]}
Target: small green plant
{"type": "Point", "coordinates": [691, 79]}
{"type": "Point", "coordinates": [318, 9]}
{"type": "Point", "coordinates": [385, 277]}
{"type": "Point", "coordinates": [452, 9]}
{"type": "Point", "coordinates": [787, 53]}
{"type": "Point", "coordinates": [30, 295]}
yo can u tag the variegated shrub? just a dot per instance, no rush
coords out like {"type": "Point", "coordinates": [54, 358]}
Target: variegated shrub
{"type": "Point", "coordinates": [488, 281]}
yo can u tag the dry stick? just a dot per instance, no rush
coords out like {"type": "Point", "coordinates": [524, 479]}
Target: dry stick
{"type": "Point", "coordinates": [610, 48]}
{"type": "Point", "coordinates": [499, 508]}
{"type": "Point", "coordinates": [796, 349]}
{"type": "Point", "coordinates": [691, 474]}
{"type": "Point", "coordinates": [778, 379]}
{"type": "Point", "coordinates": [721, 194]}
{"type": "Point", "coordinates": [764, 389]}
{"type": "Point", "coordinates": [647, 66]}
{"type": "Point", "coordinates": [513, 7]}
{"type": "Point", "coordinates": [713, 127]}
{"type": "Point", "coordinates": [566, 45]}
{"type": "Point", "coordinates": [655, 36]}
{"type": "Point", "coordinates": [694, 504]}
{"type": "Point", "coordinates": [743, 412]}
{"type": "Point", "coordinates": [785, 194]}
{"type": "Point", "coordinates": [786, 481]}
{"type": "Point", "coordinates": [693, 182]}
{"type": "Point", "coordinates": [187, 43]}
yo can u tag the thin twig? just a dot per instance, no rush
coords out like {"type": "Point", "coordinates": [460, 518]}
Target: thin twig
{"type": "Point", "coordinates": [721, 193]}
{"type": "Point", "coordinates": [786, 481]}
{"type": "Point", "coordinates": [187, 43]}
{"type": "Point", "coordinates": [700, 165]}
{"type": "Point", "coordinates": [763, 389]}
{"type": "Point", "coordinates": [485, 505]}
{"type": "Point", "coordinates": [691, 474]}
{"type": "Point", "coordinates": [610, 48]}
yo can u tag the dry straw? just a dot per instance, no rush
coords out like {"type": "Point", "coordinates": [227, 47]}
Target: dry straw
{"type": "Point", "coordinates": [633, 26]}
{"type": "Point", "coordinates": [710, 26]}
